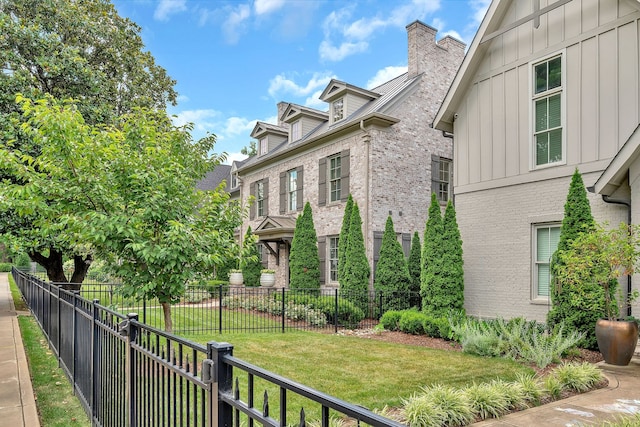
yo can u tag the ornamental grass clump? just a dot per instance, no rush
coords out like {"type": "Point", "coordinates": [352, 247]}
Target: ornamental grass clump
{"type": "Point", "coordinates": [487, 400]}
{"type": "Point", "coordinates": [440, 403]}
{"type": "Point", "coordinates": [578, 377]}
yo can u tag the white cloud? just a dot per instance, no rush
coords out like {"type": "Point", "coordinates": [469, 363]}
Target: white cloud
{"type": "Point", "coordinates": [384, 75]}
{"type": "Point", "coordinates": [235, 23]}
{"type": "Point", "coordinates": [234, 156]}
{"type": "Point", "coordinates": [314, 101]}
{"type": "Point", "coordinates": [182, 98]}
{"type": "Point", "coordinates": [267, 6]}
{"type": "Point", "coordinates": [169, 7]}
{"type": "Point", "coordinates": [203, 120]}
{"type": "Point", "coordinates": [273, 120]}
{"type": "Point", "coordinates": [238, 126]}
{"type": "Point", "coordinates": [480, 9]}
{"type": "Point", "coordinates": [409, 12]}
{"type": "Point", "coordinates": [280, 84]}
{"type": "Point", "coordinates": [453, 34]}
{"type": "Point", "coordinates": [328, 52]}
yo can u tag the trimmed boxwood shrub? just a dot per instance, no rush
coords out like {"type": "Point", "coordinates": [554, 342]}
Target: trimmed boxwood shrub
{"type": "Point", "coordinates": [348, 314]}
{"type": "Point", "coordinates": [411, 322]}
{"type": "Point", "coordinates": [391, 320]}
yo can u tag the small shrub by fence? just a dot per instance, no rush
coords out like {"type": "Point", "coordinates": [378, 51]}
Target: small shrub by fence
{"type": "Point", "coordinates": [126, 373]}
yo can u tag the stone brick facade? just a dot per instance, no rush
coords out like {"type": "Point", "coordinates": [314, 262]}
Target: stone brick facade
{"type": "Point", "coordinates": [389, 165]}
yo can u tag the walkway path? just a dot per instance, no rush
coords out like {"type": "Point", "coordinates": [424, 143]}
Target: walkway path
{"type": "Point", "coordinates": [17, 403]}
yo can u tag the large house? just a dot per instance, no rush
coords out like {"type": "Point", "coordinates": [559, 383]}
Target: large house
{"type": "Point", "coordinates": [375, 144]}
{"type": "Point", "coordinates": [546, 87]}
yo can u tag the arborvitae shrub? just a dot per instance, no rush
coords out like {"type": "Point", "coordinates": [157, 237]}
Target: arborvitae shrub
{"type": "Point", "coordinates": [392, 275]}
{"type": "Point", "coordinates": [343, 240]}
{"type": "Point", "coordinates": [413, 264]}
{"type": "Point", "coordinates": [355, 279]}
{"type": "Point", "coordinates": [251, 266]}
{"type": "Point", "coordinates": [304, 262]}
{"type": "Point", "coordinates": [451, 292]}
{"type": "Point", "coordinates": [432, 258]}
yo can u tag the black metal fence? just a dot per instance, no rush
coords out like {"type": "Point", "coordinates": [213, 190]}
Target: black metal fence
{"type": "Point", "coordinates": [224, 309]}
{"type": "Point", "coordinates": [126, 373]}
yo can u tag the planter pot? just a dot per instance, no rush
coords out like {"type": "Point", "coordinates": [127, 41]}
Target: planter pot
{"type": "Point", "coordinates": [236, 279]}
{"type": "Point", "coordinates": [617, 340]}
{"type": "Point", "coordinates": [267, 279]}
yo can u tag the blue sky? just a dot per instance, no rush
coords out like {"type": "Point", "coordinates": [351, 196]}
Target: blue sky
{"type": "Point", "coordinates": [235, 60]}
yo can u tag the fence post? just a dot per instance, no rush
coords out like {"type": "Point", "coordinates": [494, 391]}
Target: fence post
{"type": "Point", "coordinates": [283, 308]}
{"type": "Point", "coordinates": [74, 331]}
{"type": "Point", "coordinates": [222, 382]}
{"type": "Point", "coordinates": [220, 308]}
{"type": "Point", "coordinates": [95, 357]}
{"type": "Point", "coordinates": [337, 305]}
{"type": "Point", "coordinates": [130, 330]}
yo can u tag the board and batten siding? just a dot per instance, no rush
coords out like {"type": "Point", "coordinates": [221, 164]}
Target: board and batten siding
{"type": "Point", "coordinates": [600, 43]}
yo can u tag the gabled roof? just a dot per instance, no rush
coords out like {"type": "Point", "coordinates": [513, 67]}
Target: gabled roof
{"type": "Point", "coordinates": [371, 113]}
{"type": "Point", "coordinates": [274, 228]}
{"type": "Point", "coordinates": [213, 178]}
{"type": "Point", "coordinates": [616, 173]}
{"type": "Point", "coordinates": [262, 128]}
{"type": "Point", "coordinates": [295, 111]}
{"type": "Point", "coordinates": [337, 88]}
{"type": "Point", "coordinates": [491, 26]}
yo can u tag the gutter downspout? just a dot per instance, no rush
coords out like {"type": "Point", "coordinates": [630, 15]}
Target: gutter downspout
{"type": "Point", "coordinates": [626, 203]}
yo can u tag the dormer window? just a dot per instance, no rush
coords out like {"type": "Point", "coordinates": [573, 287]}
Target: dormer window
{"type": "Point", "coordinates": [264, 146]}
{"type": "Point", "coordinates": [295, 130]}
{"type": "Point", "coordinates": [337, 108]}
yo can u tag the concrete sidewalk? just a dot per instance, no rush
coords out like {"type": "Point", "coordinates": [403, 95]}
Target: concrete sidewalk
{"type": "Point", "coordinates": [621, 397]}
{"type": "Point", "coordinates": [17, 403]}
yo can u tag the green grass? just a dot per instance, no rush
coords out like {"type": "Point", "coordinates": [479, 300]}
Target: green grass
{"type": "Point", "coordinates": [365, 372]}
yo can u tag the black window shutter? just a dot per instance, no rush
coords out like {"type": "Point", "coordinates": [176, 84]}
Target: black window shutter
{"type": "Point", "coordinates": [322, 254]}
{"type": "Point", "coordinates": [265, 203]}
{"type": "Point", "coordinates": [435, 171]}
{"type": "Point", "coordinates": [252, 192]}
{"type": "Point", "coordinates": [322, 182]}
{"type": "Point", "coordinates": [344, 175]}
{"type": "Point", "coordinates": [283, 192]}
{"type": "Point", "coordinates": [299, 183]}
{"type": "Point", "coordinates": [406, 244]}
{"type": "Point", "coordinates": [377, 244]}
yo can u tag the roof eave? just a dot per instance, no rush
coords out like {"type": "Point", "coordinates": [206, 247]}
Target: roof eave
{"type": "Point", "coordinates": [615, 173]}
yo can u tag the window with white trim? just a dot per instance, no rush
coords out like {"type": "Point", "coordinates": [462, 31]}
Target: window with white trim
{"type": "Point", "coordinates": [443, 180]}
{"type": "Point", "coordinates": [546, 238]}
{"type": "Point", "coordinates": [292, 187]}
{"type": "Point", "coordinates": [335, 173]}
{"type": "Point", "coordinates": [260, 198]}
{"type": "Point", "coordinates": [333, 258]}
{"type": "Point", "coordinates": [547, 112]}
{"type": "Point", "coordinates": [234, 180]}
{"type": "Point", "coordinates": [337, 109]}
{"type": "Point", "coordinates": [264, 146]}
{"type": "Point", "coordinates": [295, 131]}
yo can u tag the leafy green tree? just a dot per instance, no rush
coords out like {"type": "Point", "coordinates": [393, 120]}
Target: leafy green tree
{"type": "Point", "coordinates": [304, 262]}
{"type": "Point", "coordinates": [126, 193]}
{"type": "Point", "coordinates": [451, 294]}
{"type": "Point", "coordinates": [250, 264]}
{"type": "Point", "coordinates": [343, 240]}
{"type": "Point", "coordinates": [67, 49]}
{"type": "Point", "coordinates": [355, 280]}
{"type": "Point", "coordinates": [566, 307]}
{"type": "Point", "coordinates": [432, 259]}
{"type": "Point", "coordinates": [392, 279]}
{"type": "Point", "coordinates": [249, 150]}
{"type": "Point", "coordinates": [414, 266]}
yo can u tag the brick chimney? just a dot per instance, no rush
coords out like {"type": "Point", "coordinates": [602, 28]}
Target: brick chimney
{"type": "Point", "coordinates": [425, 52]}
{"type": "Point", "coordinates": [282, 106]}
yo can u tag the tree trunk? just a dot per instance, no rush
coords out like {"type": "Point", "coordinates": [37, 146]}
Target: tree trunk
{"type": "Point", "coordinates": [166, 310]}
{"type": "Point", "coordinates": [80, 268]}
{"type": "Point", "coordinates": [52, 264]}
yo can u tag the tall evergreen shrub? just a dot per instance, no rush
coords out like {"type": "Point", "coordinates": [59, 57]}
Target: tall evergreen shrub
{"type": "Point", "coordinates": [343, 240]}
{"type": "Point", "coordinates": [451, 295]}
{"type": "Point", "coordinates": [251, 264]}
{"type": "Point", "coordinates": [392, 279]}
{"type": "Point", "coordinates": [567, 306]}
{"type": "Point", "coordinates": [413, 264]}
{"type": "Point", "coordinates": [304, 262]}
{"type": "Point", "coordinates": [355, 280]}
{"type": "Point", "coordinates": [432, 257]}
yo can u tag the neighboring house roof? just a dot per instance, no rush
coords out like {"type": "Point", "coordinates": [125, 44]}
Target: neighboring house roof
{"type": "Point", "coordinates": [491, 26]}
{"type": "Point", "coordinates": [616, 173]}
{"type": "Point", "coordinates": [372, 112]}
{"type": "Point", "coordinates": [213, 178]}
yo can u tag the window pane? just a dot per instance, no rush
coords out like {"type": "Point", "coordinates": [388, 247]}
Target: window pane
{"type": "Point", "coordinates": [555, 73]}
{"type": "Point", "coordinates": [555, 111]}
{"type": "Point", "coordinates": [541, 77]}
{"type": "Point", "coordinates": [543, 280]}
{"type": "Point", "coordinates": [541, 114]}
{"type": "Point", "coordinates": [542, 149]}
{"type": "Point", "coordinates": [543, 240]}
{"type": "Point", "coordinates": [555, 145]}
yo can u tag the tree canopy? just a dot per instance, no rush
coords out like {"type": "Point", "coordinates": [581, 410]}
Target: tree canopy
{"type": "Point", "coordinates": [126, 193]}
{"type": "Point", "coordinates": [67, 49]}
